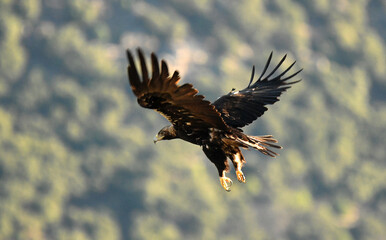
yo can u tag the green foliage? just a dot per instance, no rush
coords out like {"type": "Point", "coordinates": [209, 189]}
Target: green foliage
{"type": "Point", "coordinates": [12, 58]}
{"type": "Point", "coordinates": [30, 9]}
{"type": "Point", "coordinates": [76, 154]}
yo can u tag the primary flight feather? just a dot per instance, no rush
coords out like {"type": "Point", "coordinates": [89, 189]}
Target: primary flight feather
{"type": "Point", "coordinates": [216, 127]}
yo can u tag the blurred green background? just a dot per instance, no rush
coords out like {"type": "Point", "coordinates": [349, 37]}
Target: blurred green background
{"type": "Point", "coordinates": [77, 159]}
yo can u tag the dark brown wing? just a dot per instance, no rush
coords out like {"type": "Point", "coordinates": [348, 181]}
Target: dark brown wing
{"type": "Point", "coordinates": [179, 104]}
{"type": "Point", "coordinates": [240, 108]}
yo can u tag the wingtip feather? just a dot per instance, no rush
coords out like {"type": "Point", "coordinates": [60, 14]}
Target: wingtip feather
{"type": "Point", "coordinates": [128, 55]}
{"type": "Point", "coordinates": [277, 67]}
{"type": "Point", "coordinates": [292, 75]}
{"type": "Point", "coordinates": [155, 66]}
{"type": "Point", "coordinates": [145, 76]}
{"type": "Point", "coordinates": [252, 75]}
{"type": "Point", "coordinates": [266, 66]}
{"type": "Point", "coordinates": [164, 69]}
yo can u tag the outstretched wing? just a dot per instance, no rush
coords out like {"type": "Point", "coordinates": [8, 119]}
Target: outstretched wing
{"type": "Point", "coordinates": [240, 108]}
{"type": "Point", "coordinates": [179, 104]}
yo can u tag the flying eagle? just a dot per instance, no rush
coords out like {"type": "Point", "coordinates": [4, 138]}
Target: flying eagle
{"type": "Point", "coordinates": [216, 127]}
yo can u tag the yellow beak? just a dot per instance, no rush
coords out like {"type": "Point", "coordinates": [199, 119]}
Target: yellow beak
{"type": "Point", "coordinates": [156, 139]}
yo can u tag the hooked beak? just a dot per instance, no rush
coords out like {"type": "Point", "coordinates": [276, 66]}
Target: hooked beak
{"type": "Point", "coordinates": [156, 139]}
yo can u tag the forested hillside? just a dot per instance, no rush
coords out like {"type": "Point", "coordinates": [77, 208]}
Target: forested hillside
{"type": "Point", "coordinates": [77, 160]}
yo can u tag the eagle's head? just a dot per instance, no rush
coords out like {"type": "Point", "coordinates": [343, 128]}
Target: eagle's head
{"type": "Point", "coordinates": [166, 133]}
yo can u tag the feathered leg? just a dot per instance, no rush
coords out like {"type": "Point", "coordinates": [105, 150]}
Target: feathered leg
{"type": "Point", "coordinates": [218, 157]}
{"type": "Point", "coordinates": [238, 161]}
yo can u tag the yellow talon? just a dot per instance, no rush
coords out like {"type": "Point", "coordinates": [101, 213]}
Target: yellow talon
{"type": "Point", "coordinates": [226, 183]}
{"type": "Point", "coordinates": [240, 176]}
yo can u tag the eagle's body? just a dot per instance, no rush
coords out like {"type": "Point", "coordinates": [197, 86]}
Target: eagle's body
{"type": "Point", "coordinates": [216, 127]}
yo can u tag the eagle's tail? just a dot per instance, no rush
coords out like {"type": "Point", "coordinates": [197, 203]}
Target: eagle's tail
{"type": "Point", "coordinates": [262, 143]}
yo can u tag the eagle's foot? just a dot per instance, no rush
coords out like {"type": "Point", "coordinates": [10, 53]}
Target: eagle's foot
{"type": "Point", "coordinates": [226, 183]}
{"type": "Point", "coordinates": [240, 176]}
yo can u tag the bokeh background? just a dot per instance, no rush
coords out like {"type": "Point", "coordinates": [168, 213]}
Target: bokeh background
{"type": "Point", "coordinates": [77, 159]}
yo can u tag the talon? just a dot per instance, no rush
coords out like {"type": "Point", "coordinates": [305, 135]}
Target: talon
{"type": "Point", "coordinates": [240, 176]}
{"type": "Point", "coordinates": [226, 183]}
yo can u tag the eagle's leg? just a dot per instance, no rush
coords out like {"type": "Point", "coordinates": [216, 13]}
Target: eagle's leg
{"type": "Point", "coordinates": [222, 168]}
{"type": "Point", "coordinates": [240, 176]}
{"type": "Point", "coordinates": [226, 182]}
{"type": "Point", "coordinates": [217, 156]}
{"type": "Point", "coordinates": [238, 160]}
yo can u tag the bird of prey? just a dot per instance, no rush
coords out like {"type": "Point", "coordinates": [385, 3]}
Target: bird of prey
{"type": "Point", "coordinates": [216, 127]}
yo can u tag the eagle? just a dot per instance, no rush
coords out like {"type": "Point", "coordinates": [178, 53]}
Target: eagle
{"type": "Point", "coordinates": [217, 126]}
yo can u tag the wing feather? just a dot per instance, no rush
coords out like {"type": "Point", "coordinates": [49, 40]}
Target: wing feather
{"type": "Point", "coordinates": [178, 104]}
{"type": "Point", "coordinates": [145, 75]}
{"type": "Point", "coordinates": [265, 67]}
{"type": "Point", "coordinates": [240, 108]}
{"type": "Point", "coordinates": [155, 67]}
{"type": "Point", "coordinates": [275, 69]}
{"type": "Point", "coordinates": [133, 75]}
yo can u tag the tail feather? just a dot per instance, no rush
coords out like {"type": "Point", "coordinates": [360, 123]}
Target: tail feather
{"type": "Point", "coordinates": [262, 143]}
{"type": "Point", "coordinates": [267, 138]}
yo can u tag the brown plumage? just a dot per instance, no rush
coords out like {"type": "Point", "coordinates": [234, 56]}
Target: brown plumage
{"type": "Point", "coordinates": [214, 126]}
